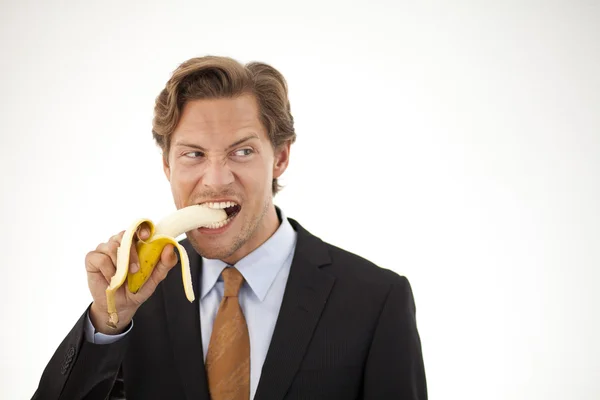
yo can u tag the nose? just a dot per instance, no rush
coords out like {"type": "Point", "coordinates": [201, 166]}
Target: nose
{"type": "Point", "coordinates": [217, 174]}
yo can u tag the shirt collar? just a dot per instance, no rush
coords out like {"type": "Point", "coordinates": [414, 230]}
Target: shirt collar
{"type": "Point", "coordinates": [260, 267]}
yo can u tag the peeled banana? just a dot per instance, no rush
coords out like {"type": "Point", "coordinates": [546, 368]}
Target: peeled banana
{"type": "Point", "coordinates": [149, 251]}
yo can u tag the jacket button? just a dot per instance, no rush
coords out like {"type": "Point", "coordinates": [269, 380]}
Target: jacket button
{"type": "Point", "coordinates": [71, 352]}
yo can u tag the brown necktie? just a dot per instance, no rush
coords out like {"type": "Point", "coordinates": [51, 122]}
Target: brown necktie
{"type": "Point", "coordinates": [228, 355]}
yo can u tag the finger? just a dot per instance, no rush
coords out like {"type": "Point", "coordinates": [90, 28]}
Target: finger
{"type": "Point", "coordinates": [117, 238]}
{"type": "Point", "coordinates": [142, 233]}
{"type": "Point", "coordinates": [110, 249]}
{"type": "Point", "coordinates": [97, 262]}
{"type": "Point", "coordinates": [168, 258]}
{"type": "Point", "coordinates": [134, 261]}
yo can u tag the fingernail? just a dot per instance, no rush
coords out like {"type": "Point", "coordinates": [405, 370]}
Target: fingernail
{"type": "Point", "coordinates": [133, 268]}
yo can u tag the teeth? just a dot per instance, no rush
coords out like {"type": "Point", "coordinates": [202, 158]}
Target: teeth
{"type": "Point", "coordinates": [221, 205]}
{"type": "Point", "coordinates": [218, 225]}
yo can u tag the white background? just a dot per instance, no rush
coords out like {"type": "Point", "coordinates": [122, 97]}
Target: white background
{"type": "Point", "coordinates": [456, 143]}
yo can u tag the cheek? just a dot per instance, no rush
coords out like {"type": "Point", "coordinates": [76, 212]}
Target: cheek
{"type": "Point", "coordinates": [254, 177]}
{"type": "Point", "coordinates": [184, 180]}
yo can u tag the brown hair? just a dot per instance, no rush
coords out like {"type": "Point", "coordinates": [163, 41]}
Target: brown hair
{"type": "Point", "coordinates": [219, 77]}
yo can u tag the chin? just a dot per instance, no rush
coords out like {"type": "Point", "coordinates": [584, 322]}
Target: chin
{"type": "Point", "coordinates": [215, 247]}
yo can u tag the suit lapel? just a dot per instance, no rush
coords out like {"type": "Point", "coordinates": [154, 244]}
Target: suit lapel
{"type": "Point", "coordinates": [183, 320]}
{"type": "Point", "coordinates": [305, 296]}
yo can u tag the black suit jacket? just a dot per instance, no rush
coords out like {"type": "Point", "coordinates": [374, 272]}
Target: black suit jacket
{"type": "Point", "coordinates": [346, 330]}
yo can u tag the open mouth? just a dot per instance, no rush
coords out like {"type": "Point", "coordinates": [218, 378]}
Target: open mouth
{"type": "Point", "coordinates": [231, 209]}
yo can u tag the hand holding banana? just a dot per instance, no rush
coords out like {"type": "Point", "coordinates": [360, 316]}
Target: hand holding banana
{"type": "Point", "coordinates": [142, 255]}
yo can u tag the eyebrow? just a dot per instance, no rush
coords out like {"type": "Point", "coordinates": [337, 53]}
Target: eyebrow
{"type": "Point", "coordinates": [234, 144]}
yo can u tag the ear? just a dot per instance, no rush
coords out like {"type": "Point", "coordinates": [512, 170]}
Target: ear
{"type": "Point", "coordinates": [166, 168]}
{"type": "Point", "coordinates": [282, 158]}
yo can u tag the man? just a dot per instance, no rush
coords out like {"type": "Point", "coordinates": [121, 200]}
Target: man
{"type": "Point", "coordinates": [279, 314]}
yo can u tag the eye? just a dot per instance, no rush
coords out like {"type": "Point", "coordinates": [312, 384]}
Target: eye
{"type": "Point", "coordinates": [193, 154]}
{"type": "Point", "coordinates": [243, 152]}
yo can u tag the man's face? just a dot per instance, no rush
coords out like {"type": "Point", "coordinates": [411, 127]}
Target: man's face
{"type": "Point", "coordinates": [220, 152]}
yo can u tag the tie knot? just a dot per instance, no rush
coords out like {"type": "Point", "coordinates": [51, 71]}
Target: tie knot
{"type": "Point", "coordinates": [233, 281]}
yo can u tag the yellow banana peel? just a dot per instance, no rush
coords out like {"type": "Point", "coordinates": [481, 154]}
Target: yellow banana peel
{"type": "Point", "coordinates": [149, 251]}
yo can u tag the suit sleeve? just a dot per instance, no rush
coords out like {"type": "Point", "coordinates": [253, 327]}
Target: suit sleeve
{"type": "Point", "coordinates": [81, 370]}
{"type": "Point", "coordinates": [395, 367]}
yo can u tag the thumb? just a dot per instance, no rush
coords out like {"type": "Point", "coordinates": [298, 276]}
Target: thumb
{"type": "Point", "coordinates": [168, 260]}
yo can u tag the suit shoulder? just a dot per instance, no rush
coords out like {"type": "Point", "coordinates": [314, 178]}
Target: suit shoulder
{"type": "Point", "coordinates": [352, 265]}
{"type": "Point", "coordinates": [345, 265]}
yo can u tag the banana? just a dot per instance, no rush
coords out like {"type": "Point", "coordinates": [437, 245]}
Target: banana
{"type": "Point", "coordinates": [164, 232]}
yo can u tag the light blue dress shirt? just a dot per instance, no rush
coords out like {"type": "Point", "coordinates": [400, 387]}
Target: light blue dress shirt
{"type": "Point", "coordinates": [265, 272]}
